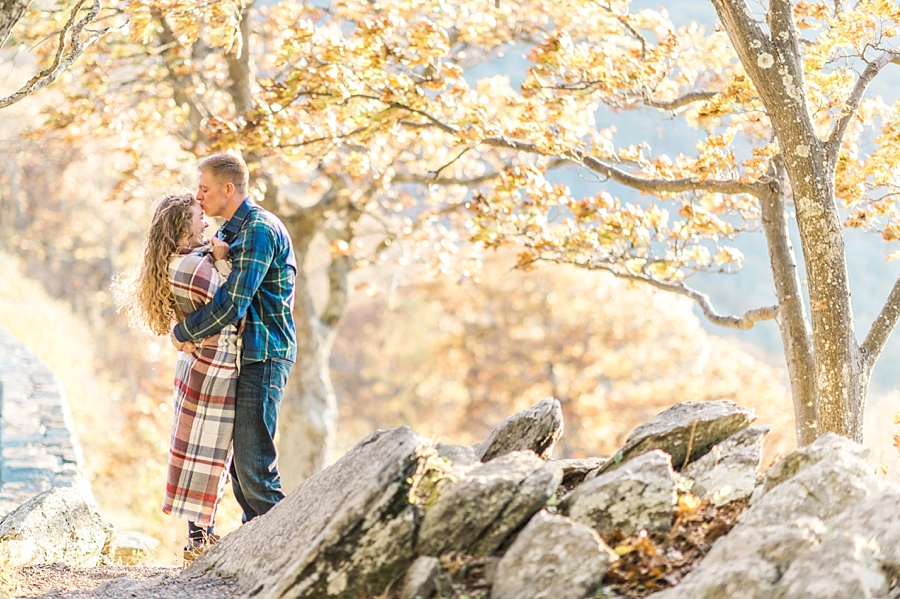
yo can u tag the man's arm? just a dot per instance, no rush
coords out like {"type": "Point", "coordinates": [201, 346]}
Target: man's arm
{"type": "Point", "coordinates": [254, 250]}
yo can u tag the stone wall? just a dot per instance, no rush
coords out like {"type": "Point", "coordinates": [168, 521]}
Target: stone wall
{"type": "Point", "coordinates": [38, 447]}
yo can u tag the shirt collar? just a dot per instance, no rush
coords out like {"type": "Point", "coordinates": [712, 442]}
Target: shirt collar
{"type": "Point", "coordinates": [202, 249]}
{"type": "Point", "coordinates": [237, 219]}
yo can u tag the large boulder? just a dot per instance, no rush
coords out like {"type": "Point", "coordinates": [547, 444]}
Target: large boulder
{"type": "Point", "coordinates": [816, 517]}
{"type": "Point", "coordinates": [476, 515]}
{"type": "Point", "coordinates": [685, 431]}
{"type": "Point", "coordinates": [552, 558]}
{"type": "Point", "coordinates": [344, 532]}
{"type": "Point", "coordinates": [853, 570]}
{"type": "Point", "coordinates": [640, 494]}
{"type": "Point", "coordinates": [538, 428]}
{"type": "Point", "coordinates": [728, 472]}
{"type": "Point", "coordinates": [827, 447]}
{"type": "Point", "coordinates": [59, 525]}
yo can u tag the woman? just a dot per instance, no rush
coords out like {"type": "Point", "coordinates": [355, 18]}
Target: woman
{"type": "Point", "coordinates": [177, 275]}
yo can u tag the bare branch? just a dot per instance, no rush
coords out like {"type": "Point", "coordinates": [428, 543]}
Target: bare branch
{"type": "Point", "coordinates": [657, 186]}
{"type": "Point", "coordinates": [682, 101]}
{"type": "Point", "coordinates": [470, 182]}
{"type": "Point", "coordinates": [431, 180]}
{"type": "Point", "coordinates": [76, 47]}
{"type": "Point", "coordinates": [451, 163]}
{"type": "Point", "coordinates": [744, 322]}
{"type": "Point", "coordinates": [627, 26]}
{"type": "Point", "coordinates": [856, 96]}
{"type": "Point", "coordinates": [882, 327]}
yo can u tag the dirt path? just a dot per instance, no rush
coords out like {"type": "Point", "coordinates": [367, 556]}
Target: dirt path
{"type": "Point", "coordinates": [115, 582]}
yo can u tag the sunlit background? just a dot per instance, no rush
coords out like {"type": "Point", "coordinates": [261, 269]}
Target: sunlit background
{"type": "Point", "coordinates": [420, 343]}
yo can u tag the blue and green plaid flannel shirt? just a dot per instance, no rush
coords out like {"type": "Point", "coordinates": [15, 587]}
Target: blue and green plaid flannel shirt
{"type": "Point", "coordinates": [261, 286]}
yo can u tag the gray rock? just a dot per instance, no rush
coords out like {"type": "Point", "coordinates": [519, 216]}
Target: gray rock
{"type": "Point", "coordinates": [821, 491]}
{"type": "Point", "coordinates": [638, 495]}
{"type": "Point", "coordinates": [460, 456]}
{"type": "Point", "coordinates": [419, 582]}
{"type": "Point", "coordinates": [852, 566]}
{"type": "Point", "coordinates": [344, 532]}
{"type": "Point", "coordinates": [133, 547]}
{"type": "Point", "coordinates": [58, 525]}
{"type": "Point", "coordinates": [803, 527]}
{"type": "Point", "coordinates": [875, 518]}
{"type": "Point", "coordinates": [747, 564]}
{"type": "Point", "coordinates": [729, 470]}
{"type": "Point", "coordinates": [477, 514]}
{"type": "Point", "coordinates": [538, 428]}
{"type": "Point", "coordinates": [575, 470]}
{"type": "Point", "coordinates": [828, 446]}
{"type": "Point", "coordinates": [552, 558]}
{"type": "Point", "coordinates": [693, 426]}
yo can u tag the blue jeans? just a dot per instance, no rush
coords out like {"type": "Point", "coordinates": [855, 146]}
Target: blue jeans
{"type": "Point", "coordinates": [254, 471]}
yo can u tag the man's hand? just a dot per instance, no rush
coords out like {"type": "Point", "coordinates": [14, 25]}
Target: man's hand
{"type": "Point", "coordinates": [219, 248]}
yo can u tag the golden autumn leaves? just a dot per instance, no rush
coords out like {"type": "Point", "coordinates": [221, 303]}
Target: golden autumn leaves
{"type": "Point", "coordinates": [401, 93]}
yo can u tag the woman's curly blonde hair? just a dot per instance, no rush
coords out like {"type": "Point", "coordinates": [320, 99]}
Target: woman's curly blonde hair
{"type": "Point", "coordinates": [146, 296]}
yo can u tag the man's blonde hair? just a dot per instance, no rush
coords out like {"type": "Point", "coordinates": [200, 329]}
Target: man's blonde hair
{"type": "Point", "coordinates": [226, 168]}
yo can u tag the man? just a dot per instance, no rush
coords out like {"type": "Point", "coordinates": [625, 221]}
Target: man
{"type": "Point", "coordinates": [261, 290]}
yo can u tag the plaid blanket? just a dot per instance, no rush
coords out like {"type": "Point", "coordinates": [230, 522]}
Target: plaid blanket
{"type": "Point", "coordinates": [205, 386]}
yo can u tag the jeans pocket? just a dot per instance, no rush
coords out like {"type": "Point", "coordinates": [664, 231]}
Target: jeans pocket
{"type": "Point", "coordinates": [279, 370]}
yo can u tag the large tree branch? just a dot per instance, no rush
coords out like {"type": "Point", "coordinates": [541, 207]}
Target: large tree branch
{"type": "Point", "coordinates": [192, 134]}
{"type": "Point", "coordinates": [856, 95]}
{"type": "Point", "coordinates": [444, 181]}
{"type": "Point", "coordinates": [10, 13]}
{"type": "Point", "coordinates": [308, 219]}
{"type": "Point", "coordinates": [73, 29]}
{"type": "Point", "coordinates": [682, 101]}
{"type": "Point", "coordinates": [744, 322]}
{"type": "Point", "coordinates": [657, 186]}
{"type": "Point", "coordinates": [793, 321]}
{"type": "Point", "coordinates": [432, 179]}
{"type": "Point", "coordinates": [239, 67]}
{"type": "Point", "coordinates": [882, 328]}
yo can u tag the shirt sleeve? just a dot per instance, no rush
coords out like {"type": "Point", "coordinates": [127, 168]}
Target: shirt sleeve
{"type": "Point", "coordinates": [253, 252]}
{"type": "Point", "coordinates": [224, 268]}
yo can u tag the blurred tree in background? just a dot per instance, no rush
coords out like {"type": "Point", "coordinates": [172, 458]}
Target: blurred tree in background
{"type": "Point", "coordinates": [457, 359]}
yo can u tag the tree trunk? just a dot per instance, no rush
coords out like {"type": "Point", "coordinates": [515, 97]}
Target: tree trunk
{"type": "Point", "coordinates": [842, 380]}
{"type": "Point", "coordinates": [792, 319]}
{"type": "Point", "coordinates": [308, 419]}
{"type": "Point", "coordinates": [773, 62]}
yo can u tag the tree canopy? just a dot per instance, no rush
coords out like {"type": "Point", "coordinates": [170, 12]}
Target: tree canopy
{"type": "Point", "coordinates": [367, 120]}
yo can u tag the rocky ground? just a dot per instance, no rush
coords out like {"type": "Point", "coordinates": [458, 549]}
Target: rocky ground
{"type": "Point", "coordinates": [401, 518]}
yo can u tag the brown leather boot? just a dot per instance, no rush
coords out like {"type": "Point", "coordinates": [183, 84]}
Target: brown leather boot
{"type": "Point", "coordinates": [193, 549]}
